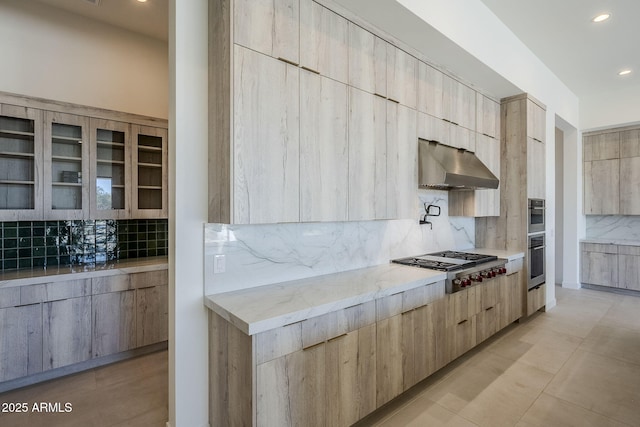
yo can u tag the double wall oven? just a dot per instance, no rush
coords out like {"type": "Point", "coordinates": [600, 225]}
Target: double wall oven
{"type": "Point", "coordinates": [536, 243]}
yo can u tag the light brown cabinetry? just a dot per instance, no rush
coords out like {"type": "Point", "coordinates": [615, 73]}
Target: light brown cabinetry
{"type": "Point", "coordinates": [430, 86]}
{"type": "Point", "coordinates": [487, 116]}
{"type": "Point", "coordinates": [402, 70]}
{"type": "Point", "coordinates": [458, 103]}
{"type": "Point", "coordinates": [113, 309]}
{"type": "Point", "coordinates": [629, 267]}
{"type": "Point", "coordinates": [324, 152]}
{"type": "Point", "coordinates": [536, 298]}
{"type": "Point", "coordinates": [599, 264]}
{"type": "Point", "coordinates": [67, 331]}
{"type": "Point", "coordinates": [389, 377]}
{"type": "Point", "coordinates": [66, 166]}
{"type": "Point", "coordinates": [266, 139]}
{"type": "Point", "coordinates": [324, 46]}
{"type": "Point", "coordinates": [367, 61]}
{"type": "Point", "coordinates": [21, 337]}
{"type": "Point", "coordinates": [270, 27]}
{"type": "Point", "coordinates": [149, 172]}
{"type": "Point", "coordinates": [152, 306]}
{"type": "Point", "coordinates": [21, 171]}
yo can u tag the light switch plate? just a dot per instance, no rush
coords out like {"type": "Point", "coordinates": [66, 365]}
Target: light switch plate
{"type": "Point", "coordinates": [219, 264]}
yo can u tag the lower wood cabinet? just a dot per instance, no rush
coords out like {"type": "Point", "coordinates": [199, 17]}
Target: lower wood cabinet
{"type": "Point", "coordinates": [20, 341]}
{"type": "Point", "coordinates": [52, 325]}
{"type": "Point", "coordinates": [629, 267]}
{"type": "Point", "coordinates": [599, 264]}
{"type": "Point", "coordinates": [536, 299]}
{"type": "Point", "coordinates": [333, 370]}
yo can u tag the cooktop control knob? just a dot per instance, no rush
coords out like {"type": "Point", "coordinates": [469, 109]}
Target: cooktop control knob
{"type": "Point", "coordinates": [457, 282]}
{"type": "Point", "coordinates": [485, 274]}
{"type": "Point", "coordinates": [476, 278]}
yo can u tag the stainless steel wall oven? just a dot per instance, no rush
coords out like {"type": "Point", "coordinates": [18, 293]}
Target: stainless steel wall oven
{"type": "Point", "coordinates": [536, 216]}
{"type": "Point", "coordinates": [536, 260]}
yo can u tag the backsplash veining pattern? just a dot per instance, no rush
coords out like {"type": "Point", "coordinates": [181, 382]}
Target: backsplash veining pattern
{"type": "Point", "coordinates": [262, 254]}
{"type": "Point", "coordinates": [613, 227]}
{"type": "Point", "coordinates": [27, 244]}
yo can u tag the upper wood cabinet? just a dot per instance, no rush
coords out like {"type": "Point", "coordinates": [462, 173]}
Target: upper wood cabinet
{"type": "Point", "coordinates": [367, 61]}
{"type": "Point", "coordinates": [604, 146]}
{"type": "Point", "coordinates": [149, 172]}
{"type": "Point", "coordinates": [324, 46]}
{"type": "Point", "coordinates": [324, 152]}
{"type": "Point", "coordinates": [21, 158]}
{"type": "Point", "coordinates": [602, 187]}
{"type": "Point", "coordinates": [536, 127]}
{"type": "Point", "coordinates": [430, 86]}
{"type": "Point", "coordinates": [402, 70]}
{"type": "Point", "coordinates": [367, 156]}
{"type": "Point", "coordinates": [487, 116]}
{"type": "Point", "coordinates": [458, 103]}
{"type": "Point", "coordinates": [629, 143]}
{"type": "Point", "coordinates": [110, 169]}
{"type": "Point", "coordinates": [266, 139]}
{"type": "Point", "coordinates": [268, 26]}
{"type": "Point", "coordinates": [402, 182]}
{"type": "Point", "coordinates": [66, 166]}
{"type": "Point", "coordinates": [535, 169]}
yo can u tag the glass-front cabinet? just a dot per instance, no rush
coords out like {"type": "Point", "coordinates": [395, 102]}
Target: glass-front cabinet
{"type": "Point", "coordinates": [66, 166]}
{"type": "Point", "coordinates": [110, 170]}
{"type": "Point", "coordinates": [150, 177]}
{"type": "Point", "coordinates": [20, 163]}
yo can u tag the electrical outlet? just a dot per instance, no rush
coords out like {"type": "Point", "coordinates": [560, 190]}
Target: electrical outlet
{"type": "Point", "coordinates": [219, 264]}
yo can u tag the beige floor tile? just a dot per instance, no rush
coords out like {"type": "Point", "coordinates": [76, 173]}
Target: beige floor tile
{"type": "Point", "coordinates": [549, 411]}
{"type": "Point", "coordinates": [624, 314]}
{"type": "Point", "coordinates": [423, 412]}
{"type": "Point", "coordinates": [606, 386]}
{"type": "Point", "coordinates": [615, 342]}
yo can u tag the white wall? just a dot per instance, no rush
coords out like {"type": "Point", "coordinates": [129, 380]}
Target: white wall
{"type": "Point", "coordinates": [610, 109]}
{"type": "Point", "coordinates": [188, 199]}
{"type": "Point", "coordinates": [559, 203]}
{"type": "Point", "coordinates": [49, 53]}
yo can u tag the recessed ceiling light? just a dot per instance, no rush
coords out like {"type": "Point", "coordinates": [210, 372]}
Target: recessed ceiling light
{"type": "Point", "coordinates": [142, 1]}
{"type": "Point", "coordinates": [624, 72]}
{"type": "Point", "coordinates": [601, 17]}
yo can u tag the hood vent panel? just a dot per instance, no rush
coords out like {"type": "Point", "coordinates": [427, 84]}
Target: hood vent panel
{"type": "Point", "coordinates": [447, 168]}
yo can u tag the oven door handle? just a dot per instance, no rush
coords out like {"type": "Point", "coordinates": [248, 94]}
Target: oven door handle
{"type": "Point", "coordinates": [537, 248]}
{"type": "Point", "coordinates": [536, 209]}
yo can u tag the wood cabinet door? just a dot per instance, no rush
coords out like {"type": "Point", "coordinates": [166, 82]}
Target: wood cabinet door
{"type": "Point", "coordinates": [602, 187]}
{"type": "Point", "coordinates": [535, 169]}
{"type": "Point", "coordinates": [629, 267]}
{"type": "Point", "coordinates": [536, 121]}
{"type": "Point", "coordinates": [114, 322]}
{"type": "Point", "coordinates": [629, 143]}
{"type": "Point", "coordinates": [150, 175]}
{"type": "Point", "coordinates": [599, 268]}
{"type": "Point", "coordinates": [268, 26]}
{"type": "Point", "coordinates": [536, 299]}
{"type": "Point", "coordinates": [367, 61]}
{"type": "Point", "coordinates": [266, 155]}
{"type": "Point", "coordinates": [487, 202]}
{"type": "Point", "coordinates": [402, 70]}
{"type": "Point", "coordinates": [402, 168]}
{"type": "Point", "coordinates": [324, 161]}
{"type": "Point", "coordinates": [604, 146]}
{"type": "Point", "coordinates": [367, 156]}
{"type": "Point", "coordinates": [66, 166]}
{"type": "Point", "coordinates": [110, 166]}
{"type": "Point", "coordinates": [66, 332]}
{"type": "Point", "coordinates": [629, 188]}
{"type": "Point", "coordinates": [430, 83]}
{"type": "Point", "coordinates": [487, 116]}
{"type": "Point", "coordinates": [458, 103]}
{"type": "Point", "coordinates": [324, 46]}
{"type": "Point", "coordinates": [21, 157]}
{"type": "Point", "coordinates": [152, 315]}
{"type": "Point", "coordinates": [20, 341]}
{"type": "Point", "coordinates": [389, 380]}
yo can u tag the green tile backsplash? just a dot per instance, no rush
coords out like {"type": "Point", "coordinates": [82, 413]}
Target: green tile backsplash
{"type": "Point", "coordinates": [27, 244]}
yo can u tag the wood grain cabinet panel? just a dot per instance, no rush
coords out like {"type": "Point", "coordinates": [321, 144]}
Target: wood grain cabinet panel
{"type": "Point", "coordinates": [402, 70]}
{"type": "Point", "coordinates": [487, 116]}
{"type": "Point", "coordinates": [629, 267]}
{"type": "Point", "coordinates": [66, 332]}
{"type": "Point", "coordinates": [367, 61]}
{"type": "Point", "coordinates": [21, 168]}
{"type": "Point", "coordinates": [114, 322]}
{"type": "Point", "coordinates": [599, 268]}
{"type": "Point", "coordinates": [433, 129]}
{"type": "Point", "coordinates": [629, 188]}
{"type": "Point", "coordinates": [602, 187]}
{"type": "Point", "coordinates": [324, 161]}
{"type": "Point", "coordinates": [324, 46]}
{"type": "Point", "coordinates": [389, 359]}
{"type": "Point", "coordinates": [367, 156]}
{"type": "Point", "coordinates": [536, 121]}
{"type": "Point", "coordinates": [150, 174]}
{"type": "Point", "coordinates": [402, 169]}
{"type": "Point", "coordinates": [430, 89]}
{"type": "Point", "coordinates": [535, 169]}
{"type": "Point", "coordinates": [20, 341]}
{"type": "Point", "coordinates": [629, 143]}
{"type": "Point", "coordinates": [458, 103]}
{"type": "Point", "coordinates": [268, 26]}
{"type": "Point", "coordinates": [152, 315]}
{"type": "Point", "coordinates": [536, 299]}
{"type": "Point", "coordinates": [267, 146]}
{"type": "Point", "coordinates": [604, 146]}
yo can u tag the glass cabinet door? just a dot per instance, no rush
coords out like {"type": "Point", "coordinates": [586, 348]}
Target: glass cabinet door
{"type": "Point", "coordinates": [66, 166]}
{"type": "Point", "coordinates": [111, 172]}
{"type": "Point", "coordinates": [20, 163]}
{"type": "Point", "coordinates": [149, 172]}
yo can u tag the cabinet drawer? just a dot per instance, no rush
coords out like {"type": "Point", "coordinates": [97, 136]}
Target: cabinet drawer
{"type": "Point", "coordinates": [388, 306]}
{"type": "Point", "coordinates": [149, 279]}
{"type": "Point", "coordinates": [278, 342]}
{"type": "Point", "coordinates": [629, 250]}
{"type": "Point", "coordinates": [9, 297]}
{"type": "Point", "coordinates": [599, 247]}
{"type": "Point", "coordinates": [107, 284]}
{"type": "Point", "coordinates": [44, 292]}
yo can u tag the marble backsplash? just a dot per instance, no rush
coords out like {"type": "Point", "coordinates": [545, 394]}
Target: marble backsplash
{"type": "Point", "coordinates": [613, 227]}
{"type": "Point", "coordinates": [258, 255]}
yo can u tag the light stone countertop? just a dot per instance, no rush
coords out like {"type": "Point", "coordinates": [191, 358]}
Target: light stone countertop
{"type": "Point", "coordinates": [268, 307]}
{"type": "Point", "coordinates": [38, 275]}
{"type": "Point", "coordinates": [605, 241]}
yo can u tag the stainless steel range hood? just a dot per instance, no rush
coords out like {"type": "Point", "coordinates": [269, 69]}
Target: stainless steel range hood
{"type": "Point", "coordinates": [448, 168]}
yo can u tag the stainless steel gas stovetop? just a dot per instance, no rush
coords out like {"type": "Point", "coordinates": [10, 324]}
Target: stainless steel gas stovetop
{"type": "Point", "coordinates": [463, 269]}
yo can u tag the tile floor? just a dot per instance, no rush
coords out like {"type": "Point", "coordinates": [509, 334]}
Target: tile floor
{"type": "Point", "coordinates": [131, 393]}
{"type": "Point", "coordinates": [576, 365]}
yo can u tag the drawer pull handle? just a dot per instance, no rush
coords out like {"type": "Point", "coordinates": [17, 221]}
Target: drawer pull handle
{"type": "Point", "coordinates": [312, 346]}
{"type": "Point", "coordinates": [309, 69]}
{"type": "Point", "coordinates": [288, 61]}
{"type": "Point", "coordinates": [490, 308]}
{"type": "Point", "coordinates": [462, 321]}
{"type": "Point", "coordinates": [338, 337]}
